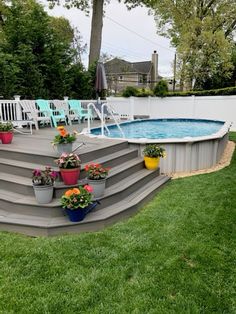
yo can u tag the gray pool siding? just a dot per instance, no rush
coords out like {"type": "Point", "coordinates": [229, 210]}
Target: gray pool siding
{"type": "Point", "coordinates": [190, 156]}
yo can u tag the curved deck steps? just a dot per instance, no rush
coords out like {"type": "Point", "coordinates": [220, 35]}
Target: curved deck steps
{"type": "Point", "coordinates": [128, 186]}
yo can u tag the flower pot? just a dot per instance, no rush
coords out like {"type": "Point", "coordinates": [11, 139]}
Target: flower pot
{"type": "Point", "coordinates": [6, 137]}
{"type": "Point", "coordinates": [151, 163]}
{"type": "Point", "coordinates": [64, 148]}
{"type": "Point", "coordinates": [98, 187]}
{"type": "Point", "coordinates": [70, 176]}
{"type": "Point", "coordinates": [80, 213]}
{"type": "Point", "coordinates": [43, 193]}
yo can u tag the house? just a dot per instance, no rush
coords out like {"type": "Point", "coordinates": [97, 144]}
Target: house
{"type": "Point", "coordinates": [121, 73]}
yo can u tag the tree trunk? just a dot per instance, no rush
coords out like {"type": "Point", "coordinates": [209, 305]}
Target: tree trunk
{"type": "Point", "coordinates": [96, 31]}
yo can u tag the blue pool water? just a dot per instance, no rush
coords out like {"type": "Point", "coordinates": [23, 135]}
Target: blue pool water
{"type": "Point", "coordinates": [163, 128]}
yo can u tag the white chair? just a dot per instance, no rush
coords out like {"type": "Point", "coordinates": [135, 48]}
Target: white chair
{"type": "Point", "coordinates": [29, 108]}
{"type": "Point", "coordinates": [62, 105]}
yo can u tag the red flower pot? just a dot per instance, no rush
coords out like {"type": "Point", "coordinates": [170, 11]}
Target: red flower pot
{"type": "Point", "coordinates": [70, 176]}
{"type": "Point", "coordinates": [6, 137]}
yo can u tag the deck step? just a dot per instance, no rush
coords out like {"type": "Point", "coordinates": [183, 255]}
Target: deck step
{"type": "Point", "coordinates": [94, 221]}
{"type": "Point", "coordinates": [47, 157]}
{"type": "Point", "coordinates": [24, 168]}
{"type": "Point", "coordinates": [18, 202]}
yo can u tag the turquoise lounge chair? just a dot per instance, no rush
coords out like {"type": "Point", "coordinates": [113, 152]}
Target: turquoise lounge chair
{"type": "Point", "coordinates": [81, 113]}
{"type": "Point", "coordinates": [55, 115]}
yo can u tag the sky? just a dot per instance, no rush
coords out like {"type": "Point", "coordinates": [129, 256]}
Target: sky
{"type": "Point", "coordinates": [129, 35]}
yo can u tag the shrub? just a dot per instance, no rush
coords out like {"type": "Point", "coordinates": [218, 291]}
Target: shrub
{"type": "Point", "coordinates": [130, 91]}
{"type": "Point", "coordinates": [161, 89]}
{"type": "Point", "coordinates": [210, 92]}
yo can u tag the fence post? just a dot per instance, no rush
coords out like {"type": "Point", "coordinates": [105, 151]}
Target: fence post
{"type": "Point", "coordinates": [131, 108]}
{"type": "Point", "coordinates": [18, 111]}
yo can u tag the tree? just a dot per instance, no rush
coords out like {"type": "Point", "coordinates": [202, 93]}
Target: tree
{"type": "Point", "coordinates": [37, 51]}
{"type": "Point", "coordinates": [203, 41]}
{"type": "Point", "coordinates": [161, 88]}
{"type": "Point", "coordinates": [97, 19]}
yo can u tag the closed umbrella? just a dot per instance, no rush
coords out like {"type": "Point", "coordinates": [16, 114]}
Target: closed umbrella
{"type": "Point", "coordinates": [101, 81]}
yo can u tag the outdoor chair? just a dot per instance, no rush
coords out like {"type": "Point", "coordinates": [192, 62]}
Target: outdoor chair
{"type": "Point", "coordinates": [56, 115]}
{"type": "Point", "coordinates": [62, 105]}
{"type": "Point", "coordinates": [79, 112]}
{"type": "Point", "coordinates": [34, 114]}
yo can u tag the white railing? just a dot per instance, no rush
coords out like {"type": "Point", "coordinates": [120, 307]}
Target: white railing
{"type": "Point", "coordinates": [10, 110]}
{"type": "Point", "coordinates": [103, 121]}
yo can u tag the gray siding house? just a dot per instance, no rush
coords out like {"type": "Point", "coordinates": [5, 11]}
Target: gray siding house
{"type": "Point", "coordinates": [121, 73]}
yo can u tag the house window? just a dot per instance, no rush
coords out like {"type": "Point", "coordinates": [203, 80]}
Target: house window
{"type": "Point", "coordinates": [121, 78]}
{"type": "Point", "coordinates": [143, 79]}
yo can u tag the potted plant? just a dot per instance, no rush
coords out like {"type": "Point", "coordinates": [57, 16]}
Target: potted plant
{"type": "Point", "coordinates": [43, 181]}
{"type": "Point", "coordinates": [6, 132]}
{"type": "Point", "coordinates": [152, 154]}
{"type": "Point", "coordinates": [78, 202]}
{"type": "Point", "coordinates": [64, 140]}
{"type": "Point", "coordinates": [96, 175]}
{"type": "Point", "coordinates": [69, 165]}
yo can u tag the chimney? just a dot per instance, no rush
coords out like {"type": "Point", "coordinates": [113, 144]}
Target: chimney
{"type": "Point", "coordinates": [154, 75]}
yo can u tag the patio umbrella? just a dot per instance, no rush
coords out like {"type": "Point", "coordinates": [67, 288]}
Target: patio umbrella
{"type": "Point", "coordinates": [101, 81]}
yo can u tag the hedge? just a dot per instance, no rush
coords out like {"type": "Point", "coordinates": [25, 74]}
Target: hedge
{"type": "Point", "coordinates": [210, 92]}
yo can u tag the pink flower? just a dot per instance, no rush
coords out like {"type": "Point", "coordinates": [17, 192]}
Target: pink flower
{"type": "Point", "coordinates": [37, 172]}
{"type": "Point", "coordinates": [88, 188]}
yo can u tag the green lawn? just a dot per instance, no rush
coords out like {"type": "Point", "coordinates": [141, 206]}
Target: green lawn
{"type": "Point", "coordinates": [178, 255]}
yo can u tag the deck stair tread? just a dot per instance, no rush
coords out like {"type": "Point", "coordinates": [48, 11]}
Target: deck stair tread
{"type": "Point", "coordinates": [96, 216]}
{"type": "Point", "coordinates": [28, 181]}
{"type": "Point", "coordinates": [32, 165]}
{"type": "Point", "coordinates": [50, 152]}
{"type": "Point", "coordinates": [30, 199]}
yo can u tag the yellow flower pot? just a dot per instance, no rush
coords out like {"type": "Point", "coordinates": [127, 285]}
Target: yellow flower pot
{"type": "Point", "coordinates": [151, 163]}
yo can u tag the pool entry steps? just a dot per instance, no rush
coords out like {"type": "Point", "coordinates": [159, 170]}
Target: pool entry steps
{"type": "Point", "coordinates": [129, 186]}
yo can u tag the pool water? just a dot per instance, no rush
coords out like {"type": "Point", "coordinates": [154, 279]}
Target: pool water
{"type": "Point", "coordinates": [163, 128]}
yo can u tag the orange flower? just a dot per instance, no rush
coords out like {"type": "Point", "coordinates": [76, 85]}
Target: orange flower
{"type": "Point", "coordinates": [63, 133]}
{"type": "Point", "coordinates": [76, 191]}
{"type": "Point", "coordinates": [68, 193]}
{"type": "Point", "coordinates": [60, 128]}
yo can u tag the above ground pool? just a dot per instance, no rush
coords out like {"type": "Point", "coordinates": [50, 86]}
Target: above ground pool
{"type": "Point", "coordinates": [162, 129]}
{"type": "Point", "coordinates": [191, 144]}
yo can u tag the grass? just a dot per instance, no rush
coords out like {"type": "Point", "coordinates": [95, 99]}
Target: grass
{"type": "Point", "coordinates": [178, 255]}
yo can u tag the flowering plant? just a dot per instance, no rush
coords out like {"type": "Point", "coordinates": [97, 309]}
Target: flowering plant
{"type": "Point", "coordinates": [6, 126]}
{"type": "Point", "coordinates": [68, 161]}
{"type": "Point", "coordinates": [77, 198]}
{"type": "Point", "coordinates": [153, 150]}
{"type": "Point", "coordinates": [64, 137]}
{"type": "Point", "coordinates": [44, 177]}
{"type": "Point", "coordinates": [96, 171]}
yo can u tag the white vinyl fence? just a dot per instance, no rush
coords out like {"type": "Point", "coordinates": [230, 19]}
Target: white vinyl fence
{"type": "Point", "coordinates": [204, 107]}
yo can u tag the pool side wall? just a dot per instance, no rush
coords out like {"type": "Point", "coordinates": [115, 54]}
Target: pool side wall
{"type": "Point", "coordinates": [190, 156]}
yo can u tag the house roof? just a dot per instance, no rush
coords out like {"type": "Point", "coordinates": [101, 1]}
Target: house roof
{"type": "Point", "coordinates": [118, 66]}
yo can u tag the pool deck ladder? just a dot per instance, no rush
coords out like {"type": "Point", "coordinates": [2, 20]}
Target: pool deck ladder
{"type": "Point", "coordinates": [102, 117]}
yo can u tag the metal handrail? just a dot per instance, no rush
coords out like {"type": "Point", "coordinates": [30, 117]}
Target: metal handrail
{"type": "Point", "coordinates": [98, 114]}
{"type": "Point", "coordinates": [103, 124]}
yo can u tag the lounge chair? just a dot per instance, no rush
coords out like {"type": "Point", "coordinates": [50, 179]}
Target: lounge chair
{"type": "Point", "coordinates": [56, 115]}
{"type": "Point", "coordinates": [62, 105]}
{"type": "Point", "coordinates": [79, 112]}
{"type": "Point", "coordinates": [34, 114]}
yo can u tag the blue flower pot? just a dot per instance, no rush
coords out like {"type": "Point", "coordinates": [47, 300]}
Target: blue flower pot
{"type": "Point", "coordinates": [80, 213]}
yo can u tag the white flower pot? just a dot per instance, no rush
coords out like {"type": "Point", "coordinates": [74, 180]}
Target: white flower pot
{"type": "Point", "coordinates": [64, 148]}
{"type": "Point", "coordinates": [43, 193]}
{"type": "Point", "coordinates": [98, 187]}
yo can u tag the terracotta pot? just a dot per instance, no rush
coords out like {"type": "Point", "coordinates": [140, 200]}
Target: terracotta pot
{"type": "Point", "coordinates": [70, 176]}
{"type": "Point", "coordinates": [6, 137]}
{"type": "Point", "coordinates": [151, 163]}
